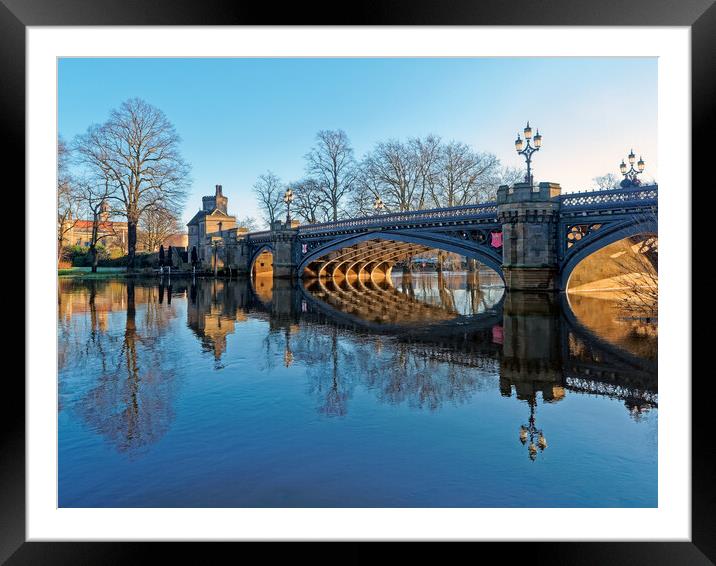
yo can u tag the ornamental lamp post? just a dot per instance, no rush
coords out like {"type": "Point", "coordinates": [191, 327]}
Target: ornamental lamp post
{"type": "Point", "coordinates": [288, 199]}
{"type": "Point", "coordinates": [378, 204]}
{"type": "Point", "coordinates": [527, 149]}
{"type": "Point", "coordinates": [531, 432]}
{"type": "Point", "coordinates": [631, 178]}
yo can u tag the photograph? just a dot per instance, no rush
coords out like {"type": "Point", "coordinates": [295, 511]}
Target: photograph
{"type": "Point", "coordinates": [357, 282]}
{"type": "Point", "coordinates": [390, 278]}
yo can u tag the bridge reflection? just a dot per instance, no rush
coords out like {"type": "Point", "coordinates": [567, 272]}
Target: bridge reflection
{"type": "Point", "coordinates": [534, 341]}
{"type": "Point", "coordinates": [426, 341]}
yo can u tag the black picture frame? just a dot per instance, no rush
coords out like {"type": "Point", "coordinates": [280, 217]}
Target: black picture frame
{"type": "Point", "coordinates": [16, 15]}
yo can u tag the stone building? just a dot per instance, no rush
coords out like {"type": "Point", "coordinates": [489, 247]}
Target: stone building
{"type": "Point", "coordinates": [210, 227]}
{"type": "Point", "coordinates": [113, 234]}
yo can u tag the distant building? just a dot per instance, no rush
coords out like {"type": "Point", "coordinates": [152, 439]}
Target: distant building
{"type": "Point", "coordinates": [180, 240]}
{"type": "Point", "coordinates": [113, 235]}
{"type": "Point", "coordinates": [208, 223]}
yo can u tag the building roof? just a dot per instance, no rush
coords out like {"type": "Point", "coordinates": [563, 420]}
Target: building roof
{"type": "Point", "coordinates": [105, 225]}
{"type": "Point", "coordinates": [202, 214]}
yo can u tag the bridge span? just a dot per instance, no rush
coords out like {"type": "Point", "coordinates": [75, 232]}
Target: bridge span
{"type": "Point", "coordinates": [533, 236]}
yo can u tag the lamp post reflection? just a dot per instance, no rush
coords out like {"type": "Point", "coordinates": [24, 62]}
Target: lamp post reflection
{"type": "Point", "coordinates": [530, 432]}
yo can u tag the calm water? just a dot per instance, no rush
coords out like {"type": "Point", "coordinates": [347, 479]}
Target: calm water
{"type": "Point", "coordinates": [427, 392]}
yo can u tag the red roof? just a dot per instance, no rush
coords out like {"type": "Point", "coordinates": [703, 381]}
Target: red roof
{"type": "Point", "coordinates": [106, 226]}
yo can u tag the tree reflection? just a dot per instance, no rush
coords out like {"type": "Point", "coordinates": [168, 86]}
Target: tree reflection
{"type": "Point", "coordinates": [409, 345]}
{"type": "Point", "coordinates": [130, 403]}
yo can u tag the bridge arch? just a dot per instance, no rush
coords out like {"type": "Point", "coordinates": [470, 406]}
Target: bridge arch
{"type": "Point", "coordinates": [606, 235]}
{"type": "Point", "coordinates": [257, 253]}
{"type": "Point", "coordinates": [428, 239]}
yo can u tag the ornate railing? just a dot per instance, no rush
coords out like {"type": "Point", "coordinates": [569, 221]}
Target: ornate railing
{"type": "Point", "coordinates": [646, 195]}
{"type": "Point", "coordinates": [485, 210]}
{"type": "Point", "coordinates": [609, 197]}
{"type": "Point", "coordinates": [610, 390]}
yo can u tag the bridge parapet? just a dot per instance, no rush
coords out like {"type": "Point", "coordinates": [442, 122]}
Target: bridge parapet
{"type": "Point", "coordinates": [472, 212]}
{"type": "Point", "coordinates": [532, 235]}
{"type": "Point", "coordinates": [607, 199]}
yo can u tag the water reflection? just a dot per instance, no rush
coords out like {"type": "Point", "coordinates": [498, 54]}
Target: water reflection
{"type": "Point", "coordinates": [425, 342]}
{"type": "Point", "coordinates": [128, 381]}
{"type": "Point", "coordinates": [536, 348]}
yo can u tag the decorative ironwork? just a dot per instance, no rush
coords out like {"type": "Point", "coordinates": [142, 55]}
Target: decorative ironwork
{"type": "Point", "coordinates": [395, 220]}
{"type": "Point", "coordinates": [611, 390]}
{"type": "Point", "coordinates": [579, 231]}
{"type": "Point", "coordinates": [613, 196]}
{"type": "Point", "coordinates": [525, 148]}
{"type": "Point", "coordinates": [288, 199]}
{"type": "Point", "coordinates": [631, 178]}
{"type": "Point", "coordinates": [531, 432]}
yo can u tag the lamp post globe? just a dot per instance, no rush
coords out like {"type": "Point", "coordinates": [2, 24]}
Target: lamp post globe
{"type": "Point", "coordinates": [526, 148]}
{"type": "Point", "coordinates": [378, 204]}
{"type": "Point", "coordinates": [631, 174]}
{"type": "Point", "coordinates": [288, 199]}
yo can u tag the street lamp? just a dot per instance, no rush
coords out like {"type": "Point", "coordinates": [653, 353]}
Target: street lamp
{"type": "Point", "coordinates": [527, 149]}
{"type": "Point", "coordinates": [378, 204]}
{"type": "Point", "coordinates": [630, 174]}
{"type": "Point", "coordinates": [531, 432]}
{"type": "Point", "coordinates": [288, 199]}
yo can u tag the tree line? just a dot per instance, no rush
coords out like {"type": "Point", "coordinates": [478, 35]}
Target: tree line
{"type": "Point", "coordinates": [412, 174]}
{"type": "Point", "coordinates": [129, 167]}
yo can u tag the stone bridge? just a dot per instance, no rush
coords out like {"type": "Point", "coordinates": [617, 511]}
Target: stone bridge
{"type": "Point", "coordinates": [532, 236]}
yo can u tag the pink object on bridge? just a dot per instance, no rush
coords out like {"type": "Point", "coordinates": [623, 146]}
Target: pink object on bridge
{"type": "Point", "coordinates": [496, 240]}
{"type": "Point", "coordinates": [497, 337]}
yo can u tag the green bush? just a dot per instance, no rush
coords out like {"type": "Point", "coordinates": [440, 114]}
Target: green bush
{"type": "Point", "coordinates": [79, 256]}
{"type": "Point", "coordinates": [141, 260]}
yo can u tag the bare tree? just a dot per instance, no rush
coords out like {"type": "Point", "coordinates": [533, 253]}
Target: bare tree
{"type": "Point", "coordinates": [508, 176]}
{"type": "Point", "coordinates": [156, 225]}
{"type": "Point", "coordinates": [392, 170]}
{"type": "Point", "coordinates": [248, 222]}
{"type": "Point", "coordinates": [67, 213]}
{"type": "Point", "coordinates": [269, 192]}
{"type": "Point", "coordinates": [465, 176]}
{"type": "Point", "coordinates": [605, 182]}
{"type": "Point", "coordinates": [93, 195]}
{"type": "Point", "coordinates": [309, 204]}
{"type": "Point", "coordinates": [639, 268]}
{"type": "Point", "coordinates": [428, 153]}
{"type": "Point", "coordinates": [139, 149]}
{"type": "Point", "coordinates": [362, 199]}
{"type": "Point", "coordinates": [331, 163]}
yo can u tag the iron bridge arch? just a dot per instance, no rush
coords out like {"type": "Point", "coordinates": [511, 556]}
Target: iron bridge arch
{"type": "Point", "coordinates": [455, 241]}
{"type": "Point", "coordinates": [595, 239]}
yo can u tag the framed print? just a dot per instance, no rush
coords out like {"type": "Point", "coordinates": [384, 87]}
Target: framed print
{"type": "Point", "coordinates": [388, 279]}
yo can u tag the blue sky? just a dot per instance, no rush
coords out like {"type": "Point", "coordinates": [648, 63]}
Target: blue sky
{"type": "Point", "coordinates": [240, 117]}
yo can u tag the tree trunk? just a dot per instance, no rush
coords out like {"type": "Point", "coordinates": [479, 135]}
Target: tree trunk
{"type": "Point", "coordinates": [131, 243]}
{"type": "Point", "coordinates": [441, 260]}
{"type": "Point", "coordinates": [93, 255]}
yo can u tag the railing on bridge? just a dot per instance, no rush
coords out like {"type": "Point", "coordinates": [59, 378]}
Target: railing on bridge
{"type": "Point", "coordinates": [607, 198]}
{"type": "Point", "coordinates": [645, 195]}
{"type": "Point", "coordinates": [485, 210]}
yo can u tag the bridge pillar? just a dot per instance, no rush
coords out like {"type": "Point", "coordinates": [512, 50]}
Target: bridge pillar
{"type": "Point", "coordinates": [532, 346]}
{"type": "Point", "coordinates": [529, 215]}
{"type": "Point", "coordinates": [284, 241]}
{"type": "Point", "coordinates": [239, 254]}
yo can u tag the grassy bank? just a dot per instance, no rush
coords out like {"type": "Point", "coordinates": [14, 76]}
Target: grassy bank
{"type": "Point", "coordinates": [86, 273]}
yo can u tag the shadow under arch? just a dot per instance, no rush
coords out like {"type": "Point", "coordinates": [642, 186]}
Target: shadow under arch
{"type": "Point", "coordinates": [623, 356]}
{"type": "Point", "coordinates": [601, 239]}
{"type": "Point", "coordinates": [432, 240]}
